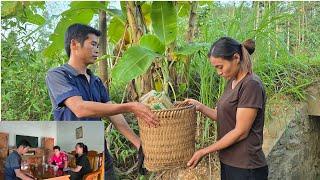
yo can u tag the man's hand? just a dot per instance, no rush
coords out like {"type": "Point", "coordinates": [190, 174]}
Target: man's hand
{"type": "Point", "coordinates": [197, 156]}
{"type": "Point", "coordinates": [143, 112]}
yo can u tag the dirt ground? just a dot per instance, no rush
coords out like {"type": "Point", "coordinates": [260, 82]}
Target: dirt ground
{"type": "Point", "coordinates": [204, 171]}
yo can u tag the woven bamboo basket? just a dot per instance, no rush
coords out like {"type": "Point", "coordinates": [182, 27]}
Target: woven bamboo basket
{"type": "Point", "coordinates": [172, 144]}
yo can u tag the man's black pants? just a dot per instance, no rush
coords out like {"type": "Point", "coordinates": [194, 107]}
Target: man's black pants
{"type": "Point", "coordinates": [108, 165]}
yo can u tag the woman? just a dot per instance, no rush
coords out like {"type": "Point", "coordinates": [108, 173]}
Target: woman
{"type": "Point", "coordinates": [239, 113]}
{"type": "Point", "coordinates": [82, 162]}
{"type": "Point", "coordinates": [59, 158]}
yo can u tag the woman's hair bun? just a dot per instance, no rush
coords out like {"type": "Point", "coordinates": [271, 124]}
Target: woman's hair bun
{"type": "Point", "coordinates": [250, 45]}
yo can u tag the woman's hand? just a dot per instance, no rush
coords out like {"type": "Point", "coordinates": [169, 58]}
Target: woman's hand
{"type": "Point", "coordinates": [197, 156]}
{"type": "Point", "coordinates": [205, 110]}
{"type": "Point", "coordinates": [194, 102]}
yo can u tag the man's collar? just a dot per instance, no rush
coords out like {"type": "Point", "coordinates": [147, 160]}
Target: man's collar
{"type": "Point", "coordinates": [73, 71]}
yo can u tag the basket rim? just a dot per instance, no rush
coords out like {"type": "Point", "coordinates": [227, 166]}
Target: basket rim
{"type": "Point", "coordinates": [175, 109]}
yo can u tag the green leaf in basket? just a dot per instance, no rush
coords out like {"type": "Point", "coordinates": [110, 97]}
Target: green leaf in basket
{"type": "Point", "coordinates": [158, 106]}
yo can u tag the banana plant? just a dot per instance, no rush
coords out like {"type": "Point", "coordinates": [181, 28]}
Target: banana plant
{"type": "Point", "coordinates": [161, 21]}
{"type": "Point", "coordinates": [154, 46]}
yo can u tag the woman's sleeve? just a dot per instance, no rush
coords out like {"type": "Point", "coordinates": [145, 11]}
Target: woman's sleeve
{"type": "Point", "coordinates": [251, 95]}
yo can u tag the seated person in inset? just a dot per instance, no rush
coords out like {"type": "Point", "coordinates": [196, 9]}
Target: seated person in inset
{"type": "Point", "coordinates": [59, 158]}
{"type": "Point", "coordinates": [82, 162]}
{"type": "Point", "coordinates": [12, 166]}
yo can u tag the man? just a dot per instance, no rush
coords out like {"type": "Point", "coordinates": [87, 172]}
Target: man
{"type": "Point", "coordinates": [59, 158]}
{"type": "Point", "coordinates": [12, 166]}
{"type": "Point", "coordinates": [77, 94]}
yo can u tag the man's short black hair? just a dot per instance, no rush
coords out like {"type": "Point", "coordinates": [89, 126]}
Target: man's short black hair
{"type": "Point", "coordinates": [56, 147]}
{"type": "Point", "coordinates": [23, 143]}
{"type": "Point", "coordinates": [78, 32]}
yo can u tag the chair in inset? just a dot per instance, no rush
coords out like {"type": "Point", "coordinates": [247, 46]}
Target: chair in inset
{"type": "Point", "coordinates": [97, 166]}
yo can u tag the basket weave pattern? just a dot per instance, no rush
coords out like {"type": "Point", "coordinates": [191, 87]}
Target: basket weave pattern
{"type": "Point", "coordinates": [172, 144]}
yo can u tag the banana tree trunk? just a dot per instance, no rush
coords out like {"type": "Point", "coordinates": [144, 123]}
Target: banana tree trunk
{"type": "Point", "coordinates": [103, 65]}
{"type": "Point", "coordinates": [146, 80]}
{"type": "Point", "coordinates": [144, 83]}
{"type": "Point", "coordinates": [192, 21]}
{"type": "Point", "coordinates": [132, 91]}
{"type": "Point", "coordinates": [131, 15]}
